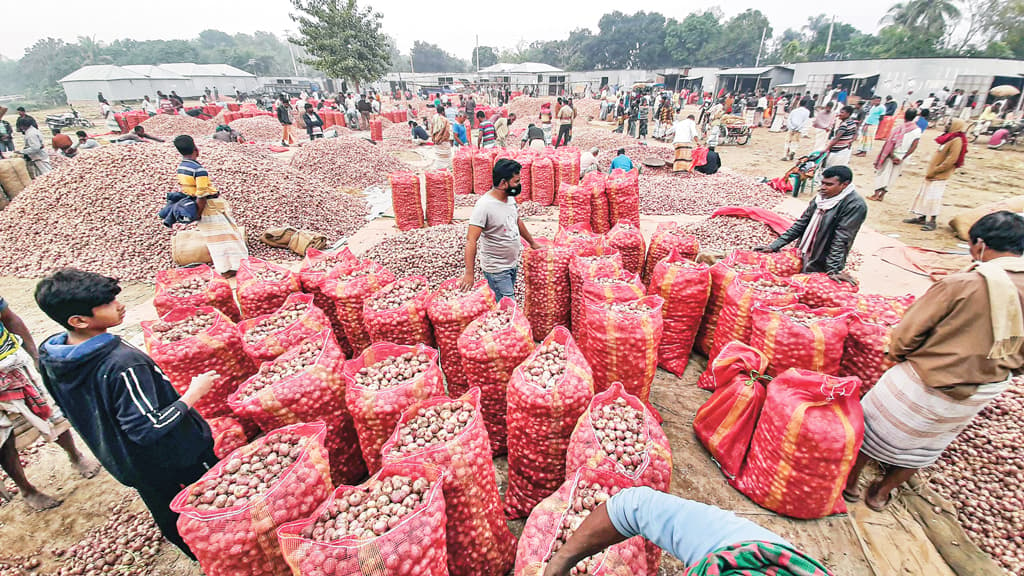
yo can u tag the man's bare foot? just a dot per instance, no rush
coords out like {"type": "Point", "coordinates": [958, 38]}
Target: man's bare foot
{"type": "Point", "coordinates": [86, 466]}
{"type": "Point", "coordinates": [39, 501]}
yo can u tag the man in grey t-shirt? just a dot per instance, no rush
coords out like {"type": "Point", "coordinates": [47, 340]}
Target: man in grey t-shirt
{"type": "Point", "coordinates": [494, 230]}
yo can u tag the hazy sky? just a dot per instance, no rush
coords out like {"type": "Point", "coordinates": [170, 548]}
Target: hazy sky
{"type": "Point", "coordinates": [406, 20]}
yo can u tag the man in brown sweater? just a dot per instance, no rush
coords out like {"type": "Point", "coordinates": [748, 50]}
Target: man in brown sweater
{"type": "Point", "coordinates": [945, 161]}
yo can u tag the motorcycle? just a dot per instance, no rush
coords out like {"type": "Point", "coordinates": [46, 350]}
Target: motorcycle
{"type": "Point", "coordinates": [67, 120]}
{"type": "Point", "coordinates": [978, 129]}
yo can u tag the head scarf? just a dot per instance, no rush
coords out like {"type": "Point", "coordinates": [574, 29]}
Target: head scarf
{"type": "Point", "coordinates": [956, 130]}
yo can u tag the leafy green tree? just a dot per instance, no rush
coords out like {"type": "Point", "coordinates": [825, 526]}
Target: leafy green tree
{"type": "Point", "coordinates": [740, 40]}
{"type": "Point", "coordinates": [634, 41]}
{"type": "Point", "coordinates": [690, 42]}
{"type": "Point", "coordinates": [931, 17]}
{"type": "Point", "coordinates": [428, 57]}
{"type": "Point", "coordinates": [487, 57]}
{"type": "Point", "coordinates": [901, 42]}
{"type": "Point", "coordinates": [342, 41]}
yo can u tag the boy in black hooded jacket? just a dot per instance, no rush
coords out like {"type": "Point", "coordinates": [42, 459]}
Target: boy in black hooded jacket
{"type": "Point", "coordinates": [118, 400]}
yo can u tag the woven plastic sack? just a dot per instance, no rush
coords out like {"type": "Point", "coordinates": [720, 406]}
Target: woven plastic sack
{"type": "Point", "coordinates": [873, 306]}
{"type": "Point", "coordinates": [310, 323]}
{"type": "Point", "coordinates": [315, 268]}
{"type": "Point", "coordinates": [573, 205]}
{"type": "Point", "coordinates": [450, 311]}
{"type": "Point", "coordinates": [579, 237]}
{"type": "Point", "coordinates": [808, 436]}
{"type": "Point", "coordinates": [536, 546]}
{"type": "Point", "coordinates": [820, 290]}
{"type": "Point", "coordinates": [462, 164]}
{"type": "Point", "coordinates": [477, 536]}
{"type": "Point", "coordinates": [542, 179]}
{"type": "Point", "coordinates": [483, 165]}
{"type": "Point", "coordinates": [623, 191]}
{"type": "Point", "coordinates": [540, 422]}
{"type": "Point", "coordinates": [242, 539]}
{"type": "Point", "coordinates": [316, 392]}
{"type": "Point", "coordinates": [405, 200]}
{"type": "Point", "coordinates": [655, 466]}
{"type": "Point", "coordinates": [349, 286]}
{"type": "Point", "coordinates": [414, 547]}
{"type": "Point", "coordinates": [489, 359]}
{"type": "Point", "coordinates": [622, 346]}
{"type": "Point", "coordinates": [405, 324]}
{"type": "Point", "coordinates": [667, 237]}
{"type": "Point", "coordinates": [376, 130]}
{"type": "Point", "coordinates": [568, 173]}
{"type": "Point", "coordinates": [605, 287]}
{"type": "Point", "coordinates": [376, 412]}
{"type": "Point", "coordinates": [864, 353]}
{"type": "Point", "coordinates": [596, 181]}
{"type": "Point", "coordinates": [263, 286]}
{"type": "Point", "coordinates": [800, 337]}
{"type": "Point", "coordinates": [785, 262]}
{"type": "Point", "coordinates": [218, 348]}
{"type": "Point", "coordinates": [440, 197]}
{"type": "Point", "coordinates": [685, 287]}
{"type": "Point", "coordinates": [734, 322]}
{"type": "Point", "coordinates": [525, 178]}
{"type": "Point", "coordinates": [548, 295]}
{"type": "Point", "coordinates": [228, 435]}
{"type": "Point", "coordinates": [722, 276]}
{"type": "Point", "coordinates": [217, 291]}
{"type": "Point", "coordinates": [588, 264]}
{"type": "Point", "coordinates": [725, 423]}
{"type": "Point", "coordinates": [627, 239]}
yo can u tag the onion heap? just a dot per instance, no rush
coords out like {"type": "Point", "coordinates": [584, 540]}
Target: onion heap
{"type": "Point", "coordinates": [287, 314]}
{"type": "Point", "coordinates": [175, 331]}
{"type": "Point", "coordinates": [392, 371]}
{"type": "Point", "coordinates": [127, 544]}
{"type": "Point", "coordinates": [672, 195]}
{"type": "Point", "coordinates": [548, 366]}
{"type": "Point", "coordinates": [370, 510]}
{"type": "Point", "coordinates": [725, 233]}
{"type": "Point", "coordinates": [435, 425]}
{"type": "Point", "coordinates": [396, 294]}
{"type": "Point", "coordinates": [273, 372]}
{"type": "Point", "coordinates": [188, 287]}
{"type": "Point", "coordinates": [620, 429]}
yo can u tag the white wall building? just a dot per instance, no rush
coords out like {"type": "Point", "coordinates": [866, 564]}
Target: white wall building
{"type": "Point", "coordinates": [135, 81]}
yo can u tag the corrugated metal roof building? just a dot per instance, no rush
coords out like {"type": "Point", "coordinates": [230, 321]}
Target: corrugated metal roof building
{"type": "Point", "coordinates": [135, 81]}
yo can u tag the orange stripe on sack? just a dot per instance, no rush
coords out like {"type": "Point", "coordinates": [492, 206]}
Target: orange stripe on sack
{"type": "Point", "coordinates": [770, 332]}
{"type": "Point", "coordinates": [784, 468]}
{"type": "Point", "coordinates": [741, 403]}
{"type": "Point", "coordinates": [818, 358]}
{"type": "Point", "coordinates": [849, 452]}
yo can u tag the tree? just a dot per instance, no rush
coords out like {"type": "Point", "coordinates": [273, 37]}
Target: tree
{"type": "Point", "coordinates": [487, 57]}
{"type": "Point", "coordinates": [740, 40]}
{"type": "Point", "coordinates": [342, 40]}
{"type": "Point", "coordinates": [635, 41]}
{"type": "Point", "coordinates": [92, 51]}
{"type": "Point", "coordinates": [428, 57]}
{"type": "Point", "coordinates": [930, 17]}
{"type": "Point", "coordinates": [690, 41]}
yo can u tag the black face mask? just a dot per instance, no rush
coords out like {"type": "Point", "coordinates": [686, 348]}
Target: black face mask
{"type": "Point", "coordinates": [514, 190]}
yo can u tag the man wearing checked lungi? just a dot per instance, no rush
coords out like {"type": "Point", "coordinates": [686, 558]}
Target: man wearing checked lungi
{"type": "Point", "coordinates": [956, 349]}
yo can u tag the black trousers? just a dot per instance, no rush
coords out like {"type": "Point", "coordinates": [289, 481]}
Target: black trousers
{"type": "Point", "coordinates": [158, 490]}
{"type": "Point", "coordinates": [564, 135]}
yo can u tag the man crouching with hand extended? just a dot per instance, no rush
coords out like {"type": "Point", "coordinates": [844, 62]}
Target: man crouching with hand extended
{"type": "Point", "coordinates": [495, 227]}
{"type": "Point", "coordinates": [828, 227]}
{"type": "Point", "coordinates": [118, 400]}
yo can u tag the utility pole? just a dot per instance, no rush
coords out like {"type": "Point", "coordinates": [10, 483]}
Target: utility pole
{"type": "Point", "coordinates": [760, 47]}
{"type": "Point", "coordinates": [828, 44]}
{"type": "Point", "coordinates": [477, 51]}
{"type": "Point", "coordinates": [291, 51]}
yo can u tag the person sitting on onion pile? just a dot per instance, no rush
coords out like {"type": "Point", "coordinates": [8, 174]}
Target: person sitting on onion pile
{"type": "Point", "coordinates": [708, 540]}
{"type": "Point", "coordinates": [419, 135]}
{"type": "Point", "coordinates": [826, 230]}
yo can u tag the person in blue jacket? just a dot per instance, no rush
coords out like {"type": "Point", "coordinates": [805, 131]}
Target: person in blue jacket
{"type": "Point", "coordinates": [118, 400]}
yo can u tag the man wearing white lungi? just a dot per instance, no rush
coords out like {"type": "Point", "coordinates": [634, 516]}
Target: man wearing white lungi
{"type": "Point", "coordinates": [956, 349]}
{"type": "Point", "coordinates": [950, 156]}
{"type": "Point", "coordinates": [902, 142]}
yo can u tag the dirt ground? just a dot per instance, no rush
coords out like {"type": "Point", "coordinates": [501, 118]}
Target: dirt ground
{"type": "Point", "coordinates": [856, 544]}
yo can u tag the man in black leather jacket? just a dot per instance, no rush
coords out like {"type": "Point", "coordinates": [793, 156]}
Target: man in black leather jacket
{"type": "Point", "coordinates": [826, 230]}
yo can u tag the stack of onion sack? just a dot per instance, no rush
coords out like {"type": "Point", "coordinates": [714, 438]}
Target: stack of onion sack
{"type": "Point", "coordinates": [722, 276]}
{"type": "Point", "coordinates": [380, 384]}
{"type": "Point", "coordinates": [589, 264]}
{"type": "Point", "coordinates": [228, 435]}
{"type": "Point", "coordinates": [405, 200]}
{"type": "Point", "coordinates": [554, 521]}
{"type": "Point", "coordinates": [734, 322]}
{"type": "Point", "coordinates": [462, 164]}
{"type": "Point", "coordinates": [450, 311]}
{"type": "Point", "coordinates": [397, 313]}
{"type": "Point", "coordinates": [820, 291]}
{"type": "Point", "coordinates": [604, 287]}
{"type": "Point", "coordinates": [376, 130]}
{"type": "Point", "coordinates": [627, 239]}
{"type": "Point", "coordinates": [188, 342]}
{"type": "Point", "coordinates": [573, 205]}
{"type": "Point", "coordinates": [194, 287]}
{"type": "Point", "coordinates": [623, 189]}
{"type": "Point", "coordinates": [229, 517]}
{"type": "Point", "coordinates": [267, 337]}
{"type": "Point", "coordinates": [782, 263]}
{"type": "Point", "coordinates": [451, 434]}
{"type": "Point", "coordinates": [483, 166]}
{"type": "Point", "coordinates": [684, 286]}
{"type": "Point", "coordinates": [864, 353]}
{"type": "Point", "coordinates": [621, 343]}
{"type": "Point", "coordinates": [525, 159]}
{"type": "Point", "coordinates": [303, 385]}
{"type": "Point", "coordinates": [596, 182]}
{"type": "Point", "coordinates": [548, 295]}
{"type": "Point", "coordinates": [349, 285]}
{"type": "Point", "coordinates": [542, 181]}
{"type": "Point", "coordinates": [440, 197]}
{"type": "Point", "coordinates": [315, 268]}
{"type": "Point", "coordinates": [391, 524]}
{"type": "Point", "coordinates": [796, 336]}
{"type": "Point", "coordinates": [669, 236]}
{"type": "Point", "coordinates": [618, 430]}
{"type": "Point", "coordinates": [725, 423]}
{"type": "Point", "coordinates": [807, 438]}
{"type": "Point", "coordinates": [546, 396]}
{"type": "Point", "coordinates": [263, 287]}
{"type": "Point", "coordinates": [491, 347]}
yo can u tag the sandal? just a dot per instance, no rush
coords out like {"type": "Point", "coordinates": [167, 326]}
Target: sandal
{"type": "Point", "coordinates": [851, 497]}
{"type": "Point", "coordinates": [876, 507]}
{"type": "Point", "coordinates": [918, 220]}
{"type": "Point", "coordinates": [929, 226]}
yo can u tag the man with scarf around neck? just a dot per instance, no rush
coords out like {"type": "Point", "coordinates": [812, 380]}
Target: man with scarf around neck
{"type": "Point", "coordinates": [827, 228]}
{"type": "Point", "coordinates": [956, 349]}
{"type": "Point", "coordinates": [898, 147]}
{"type": "Point", "coordinates": [950, 156]}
